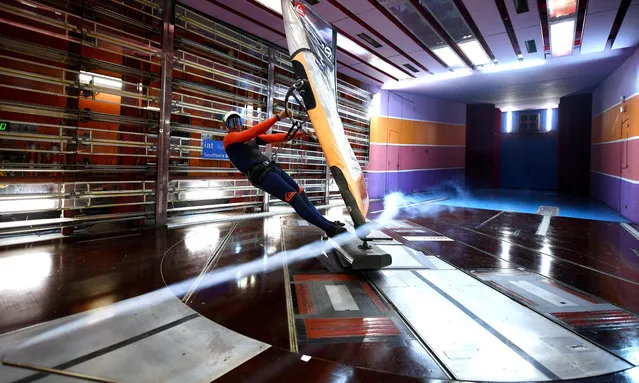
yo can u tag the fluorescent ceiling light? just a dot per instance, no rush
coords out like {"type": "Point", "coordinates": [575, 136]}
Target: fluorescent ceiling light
{"type": "Point", "coordinates": [387, 68]}
{"type": "Point", "coordinates": [428, 79]}
{"type": "Point", "coordinates": [562, 37]}
{"type": "Point", "coordinates": [100, 80]}
{"type": "Point", "coordinates": [275, 5]}
{"type": "Point", "coordinates": [475, 52]}
{"type": "Point", "coordinates": [351, 46]}
{"type": "Point", "coordinates": [449, 57]}
{"type": "Point", "coordinates": [513, 66]}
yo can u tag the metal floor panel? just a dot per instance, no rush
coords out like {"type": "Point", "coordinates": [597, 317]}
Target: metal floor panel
{"type": "Point", "coordinates": [406, 258]}
{"type": "Point", "coordinates": [197, 351]}
{"type": "Point", "coordinates": [480, 334]}
{"type": "Point", "coordinates": [156, 336]}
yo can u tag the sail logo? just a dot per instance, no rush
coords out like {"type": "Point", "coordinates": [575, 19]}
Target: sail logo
{"type": "Point", "coordinates": [300, 9]}
{"type": "Point", "coordinates": [327, 50]}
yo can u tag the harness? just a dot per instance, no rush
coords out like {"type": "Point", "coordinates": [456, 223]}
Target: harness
{"type": "Point", "coordinates": [257, 173]}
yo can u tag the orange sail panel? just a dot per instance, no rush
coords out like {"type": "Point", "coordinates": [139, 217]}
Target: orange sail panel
{"type": "Point", "coordinates": [311, 44]}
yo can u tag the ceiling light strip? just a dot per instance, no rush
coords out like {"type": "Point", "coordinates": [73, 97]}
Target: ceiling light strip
{"type": "Point", "coordinates": [437, 28]}
{"type": "Point", "coordinates": [353, 39]}
{"type": "Point", "coordinates": [463, 11]}
{"type": "Point", "coordinates": [406, 31]}
{"type": "Point", "coordinates": [375, 33]}
{"type": "Point", "coordinates": [562, 37]}
{"type": "Point", "coordinates": [349, 54]}
{"type": "Point", "coordinates": [475, 52]}
{"type": "Point", "coordinates": [503, 13]}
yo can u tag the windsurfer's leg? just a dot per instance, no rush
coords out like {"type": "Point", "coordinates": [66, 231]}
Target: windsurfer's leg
{"type": "Point", "coordinates": [274, 184]}
{"type": "Point", "coordinates": [289, 180]}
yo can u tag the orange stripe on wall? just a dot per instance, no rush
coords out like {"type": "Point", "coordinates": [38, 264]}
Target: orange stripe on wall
{"type": "Point", "coordinates": [416, 132]}
{"type": "Point", "coordinates": [608, 125]}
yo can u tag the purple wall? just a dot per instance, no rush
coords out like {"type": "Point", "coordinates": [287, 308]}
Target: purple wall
{"type": "Point", "coordinates": [415, 107]}
{"type": "Point", "coordinates": [422, 167]}
{"type": "Point", "coordinates": [622, 82]}
{"type": "Point", "coordinates": [615, 163]}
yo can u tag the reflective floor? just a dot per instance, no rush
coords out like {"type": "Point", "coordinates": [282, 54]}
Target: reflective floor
{"type": "Point", "coordinates": [528, 201]}
{"type": "Point", "coordinates": [471, 295]}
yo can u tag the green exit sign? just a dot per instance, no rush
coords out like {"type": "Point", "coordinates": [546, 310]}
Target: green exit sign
{"type": "Point", "coordinates": [4, 125]}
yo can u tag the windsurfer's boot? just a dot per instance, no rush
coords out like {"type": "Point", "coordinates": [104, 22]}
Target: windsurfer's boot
{"type": "Point", "coordinates": [335, 230]}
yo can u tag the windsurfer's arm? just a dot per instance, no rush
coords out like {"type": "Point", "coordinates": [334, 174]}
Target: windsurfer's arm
{"type": "Point", "coordinates": [273, 138]}
{"type": "Point", "coordinates": [249, 134]}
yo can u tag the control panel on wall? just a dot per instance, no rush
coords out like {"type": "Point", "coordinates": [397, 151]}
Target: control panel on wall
{"type": "Point", "coordinates": [528, 123]}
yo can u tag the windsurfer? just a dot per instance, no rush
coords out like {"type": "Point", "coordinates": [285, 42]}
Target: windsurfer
{"type": "Point", "coordinates": [242, 148]}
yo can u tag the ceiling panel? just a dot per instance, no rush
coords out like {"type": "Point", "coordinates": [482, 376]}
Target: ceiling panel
{"type": "Point", "coordinates": [329, 12]}
{"type": "Point", "coordinates": [450, 19]}
{"type": "Point", "coordinates": [356, 75]}
{"type": "Point", "coordinates": [372, 72]}
{"type": "Point", "coordinates": [428, 61]}
{"type": "Point", "coordinates": [353, 28]}
{"type": "Point", "coordinates": [389, 30]}
{"type": "Point", "coordinates": [248, 7]}
{"type": "Point", "coordinates": [400, 60]}
{"type": "Point", "coordinates": [346, 59]}
{"type": "Point", "coordinates": [486, 16]}
{"type": "Point", "coordinates": [357, 6]}
{"type": "Point", "coordinates": [628, 35]}
{"type": "Point", "coordinates": [523, 20]}
{"type": "Point", "coordinates": [597, 29]}
{"type": "Point", "coordinates": [501, 47]}
{"type": "Point", "coordinates": [531, 33]}
{"type": "Point", "coordinates": [527, 27]}
{"type": "Point", "coordinates": [596, 6]}
{"type": "Point", "coordinates": [233, 19]}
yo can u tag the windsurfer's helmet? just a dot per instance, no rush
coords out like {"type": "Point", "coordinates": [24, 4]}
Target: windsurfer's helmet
{"type": "Point", "coordinates": [233, 120]}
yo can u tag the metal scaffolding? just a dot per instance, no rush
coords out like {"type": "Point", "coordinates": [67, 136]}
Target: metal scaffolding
{"type": "Point", "coordinates": [105, 106]}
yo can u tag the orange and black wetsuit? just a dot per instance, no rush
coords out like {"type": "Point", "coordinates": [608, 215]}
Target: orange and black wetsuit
{"type": "Point", "coordinates": [244, 152]}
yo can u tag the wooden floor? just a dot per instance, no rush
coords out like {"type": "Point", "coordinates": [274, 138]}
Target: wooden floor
{"type": "Point", "coordinates": [45, 281]}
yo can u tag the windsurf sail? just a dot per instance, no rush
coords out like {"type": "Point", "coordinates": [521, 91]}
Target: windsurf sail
{"type": "Point", "coordinates": [312, 46]}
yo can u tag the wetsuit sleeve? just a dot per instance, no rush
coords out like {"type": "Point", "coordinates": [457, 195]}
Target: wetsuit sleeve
{"type": "Point", "coordinates": [249, 134]}
{"type": "Point", "coordinates": [273, 138]}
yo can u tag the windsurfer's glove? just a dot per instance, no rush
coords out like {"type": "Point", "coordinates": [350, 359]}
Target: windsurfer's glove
{"type": "Point", "coordinates": [310, 134]}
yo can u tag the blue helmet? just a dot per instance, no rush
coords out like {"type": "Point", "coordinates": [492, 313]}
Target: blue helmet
{"type": "Point", "coordinates": [233, 120]}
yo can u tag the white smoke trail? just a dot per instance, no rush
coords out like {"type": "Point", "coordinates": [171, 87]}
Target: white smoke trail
{"type": "Point", "coordinates": [393, 204]}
